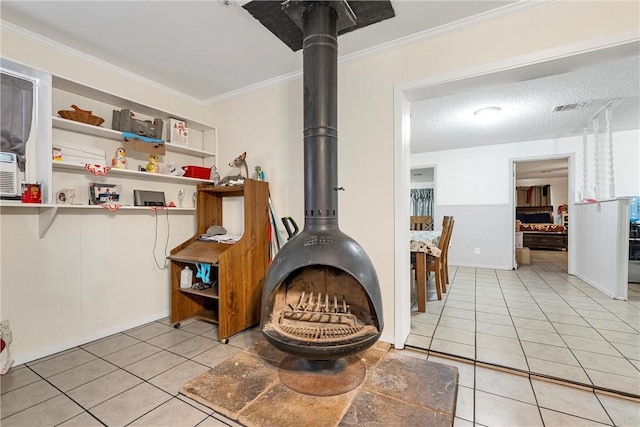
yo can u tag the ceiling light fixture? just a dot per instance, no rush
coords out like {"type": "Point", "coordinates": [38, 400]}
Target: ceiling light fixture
{"type": "Point", "coordinates": [488, 113]}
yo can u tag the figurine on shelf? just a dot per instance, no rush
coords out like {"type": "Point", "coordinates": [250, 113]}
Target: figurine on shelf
{"type": "Point", "coordinates": [240, 163]}
{"type": "Point", "coordinates": [120, 160]}
{"type": "Point", "coordinates": [172, 169]}
{"type": "Point", "coordinates": [215, 175]}
{"type": "Point", "coordinates": [152, 166]}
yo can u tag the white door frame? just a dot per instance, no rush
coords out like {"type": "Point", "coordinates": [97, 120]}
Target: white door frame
{"type": "Point", "coordinates": [554, 58]}
{"type": "Point", "coordinates": [570, 157]}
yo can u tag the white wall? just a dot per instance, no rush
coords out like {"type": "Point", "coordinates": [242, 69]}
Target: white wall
{"type": "Point", "coordinates": [602, 245]}
{"type": "Point", "coordinates": [267, 124]}
{"type": "Point", "coordinates": [93, 273]}
{"type": "Point", "coordinates": [481, 177]}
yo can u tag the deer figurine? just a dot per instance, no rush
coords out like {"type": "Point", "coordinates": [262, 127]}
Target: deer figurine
{"type": "Point", "coordinates": [239, 162]}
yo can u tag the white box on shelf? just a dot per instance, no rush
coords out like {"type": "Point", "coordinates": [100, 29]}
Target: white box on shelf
{"type": "Point", "coordinates": [82, 155]}
{"type": "Point", "coordinates": [178, 132]}
{"type": "Point", "coordinates": [519, 241]}
{"type": "Point", "coordinates": [523, 256]}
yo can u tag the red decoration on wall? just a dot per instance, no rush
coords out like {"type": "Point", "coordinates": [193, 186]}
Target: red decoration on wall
{"type": "Point", "coordinates": [111, 206]}
{"type": "Point", "coordinates": [97, 169]}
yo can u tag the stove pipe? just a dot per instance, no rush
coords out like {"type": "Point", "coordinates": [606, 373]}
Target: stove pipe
{"type": "Point", "coordinates": [320, 65]}
{"type": "Point", "coordinates": [321, 244]}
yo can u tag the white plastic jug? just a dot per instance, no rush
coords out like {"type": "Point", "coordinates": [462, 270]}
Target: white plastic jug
{"type": "Point", "coordinates": [186, 277]}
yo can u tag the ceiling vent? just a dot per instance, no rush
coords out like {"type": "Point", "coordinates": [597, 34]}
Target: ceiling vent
{"type": "Point", "coordinates": [570, 107]}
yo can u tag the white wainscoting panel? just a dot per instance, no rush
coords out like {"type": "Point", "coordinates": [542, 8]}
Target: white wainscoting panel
{"type": "Point", "coordinates": [490, 228]}
{"type": "Point", "coordinates": [601, 232]}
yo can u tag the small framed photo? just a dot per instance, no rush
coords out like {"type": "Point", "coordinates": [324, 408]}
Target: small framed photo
{"type": "Point", "coordinates": [100, 193]}
{"type": "Point", "coordinates": [178, 132]}
{"type": "Point", "coordinates": [66, 196]}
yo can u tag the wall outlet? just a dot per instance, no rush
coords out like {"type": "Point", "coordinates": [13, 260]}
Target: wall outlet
{"type": "Point", "coordinates": [477, 251]}
{"type": "Point", "coordinates": [4, 326]}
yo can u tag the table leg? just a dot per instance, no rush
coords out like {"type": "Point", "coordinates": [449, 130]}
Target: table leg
{"type": "Point", "coordinates": [420, 280]}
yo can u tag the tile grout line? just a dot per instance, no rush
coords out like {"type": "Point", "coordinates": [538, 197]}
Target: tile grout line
{"type": "Point", "coordinates": [118, 368]}
{"type": "Point", "coordinates": [524, 354]}
{"type": "Point", "coordinates": [571, 350]}
{"type": "Point", "coordinates": [525, 281]}
{"type": "Point", "coordinates": [556, 330]}
{"type": "Point", "coordinates": [591, 327]}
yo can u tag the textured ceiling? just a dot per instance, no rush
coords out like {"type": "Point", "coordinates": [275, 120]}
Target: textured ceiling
{"type": "Point", "coordinates": [527, 114]}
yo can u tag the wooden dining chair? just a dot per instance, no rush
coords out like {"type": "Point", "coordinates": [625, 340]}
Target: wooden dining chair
{"type": "Point", "coordinates": [418, 223]}
{"type": "Point", "coordinates": [421, 222]}
{"type": "Point", "coordinates": [445, 254]}
{"type": "Point", "coordinates": [435, 264]}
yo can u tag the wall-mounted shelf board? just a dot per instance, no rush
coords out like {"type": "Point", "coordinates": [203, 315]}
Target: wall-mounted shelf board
{"type": "Point", "coordinates": [102, 132]}
{"type": "Point", "coordinates": [47, 212]}
{"type": "Point", "coordinates": [131, 173]}
{"type": "Point", "coordinates": [171, 209]}
{"type": "Point", "coordinates": [19, 204]}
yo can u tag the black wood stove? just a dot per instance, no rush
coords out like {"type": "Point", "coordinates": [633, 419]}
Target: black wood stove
{"type": "Point", "coordinates": [321, 301]}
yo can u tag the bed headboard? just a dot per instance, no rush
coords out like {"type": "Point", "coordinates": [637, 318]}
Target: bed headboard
{"type": "Point", "coordinates": [535, 214]}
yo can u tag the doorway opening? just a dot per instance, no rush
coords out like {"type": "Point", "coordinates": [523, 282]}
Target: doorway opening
{"type": "Point", "coordinates": [542, 193]}
{"type": "Point", "coordinates": [538, 65]}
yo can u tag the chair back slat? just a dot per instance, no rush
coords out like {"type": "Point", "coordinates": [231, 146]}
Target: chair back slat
{"type": "Point", "coordinates": [444, 236]}
{"type": "Point", "coordinates": [421, 222]}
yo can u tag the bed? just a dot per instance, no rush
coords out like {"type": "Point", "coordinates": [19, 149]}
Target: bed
{"type": "Point", "coordinates": [538, 229]}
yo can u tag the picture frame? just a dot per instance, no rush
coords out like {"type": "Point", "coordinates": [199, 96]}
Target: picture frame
{"type": "Point", "coordinates": [66, 196]}
{"type": "Point", "coordinates": [178, 132]}
{"type": "Point", "coordinates": [101, 193]}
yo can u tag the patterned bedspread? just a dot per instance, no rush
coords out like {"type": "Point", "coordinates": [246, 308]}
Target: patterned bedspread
{"type": "Point", "coordinates": [553, 228]}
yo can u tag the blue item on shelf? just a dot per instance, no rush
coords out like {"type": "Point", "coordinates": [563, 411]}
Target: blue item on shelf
{"type": "Point", "coordinates": [204, 272]}
{"type": "Point", "coordinates": [634, 209]}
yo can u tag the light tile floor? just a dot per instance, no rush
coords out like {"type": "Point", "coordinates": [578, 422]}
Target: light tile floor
{"type": "Point", "coordinates": [536, 319]}
{"type": "Point", "coordinates": [133, 378]}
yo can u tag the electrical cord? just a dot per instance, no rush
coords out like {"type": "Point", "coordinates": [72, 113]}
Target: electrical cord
{"type": "Point", "coordinates": [166, 245]}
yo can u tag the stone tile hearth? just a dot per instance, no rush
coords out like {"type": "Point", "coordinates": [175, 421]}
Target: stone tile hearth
{"type": "Point", "coordinates": [396, 388]}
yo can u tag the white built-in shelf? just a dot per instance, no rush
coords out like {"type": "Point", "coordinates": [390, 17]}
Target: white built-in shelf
{"type": "Point", "coordinates": [125, 102]}
{"type": "Point", "coordinates": [138, 208]}
{"type": "Point", "coordinates": [19, 204]}
{"type": "Point", "coordinates": [48, 211]}
{"type": "Point", "coordinates": [116, 135]}
{"type": "Point", "coordinates": [127, 173]}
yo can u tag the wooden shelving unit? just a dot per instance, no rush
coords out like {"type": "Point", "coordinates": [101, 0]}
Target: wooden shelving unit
{"type": "Point", "coordinates": [240, 268]}
{"type": "Point", "coordinates": [104, 132]}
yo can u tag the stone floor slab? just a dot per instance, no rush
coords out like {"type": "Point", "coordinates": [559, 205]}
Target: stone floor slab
{"type": "Point", "coordinates": [367, 407]}
{"type": "Point", "coordinates": [233, 384]}
{"type": "Point", "coordinates": [247, 388]}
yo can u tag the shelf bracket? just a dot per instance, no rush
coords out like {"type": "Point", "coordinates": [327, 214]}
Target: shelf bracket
{"type": "Point", "coordinates": [45, 219]}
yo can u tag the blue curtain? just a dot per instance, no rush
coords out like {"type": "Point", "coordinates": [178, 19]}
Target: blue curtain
{"type": "Point", "coordinates": [422, 201]}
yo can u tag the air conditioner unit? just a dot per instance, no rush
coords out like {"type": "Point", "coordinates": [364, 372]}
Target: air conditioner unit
{"type": "Point", "coordinates": [8, 175]}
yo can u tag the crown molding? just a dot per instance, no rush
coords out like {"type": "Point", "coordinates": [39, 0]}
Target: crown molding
{"type": "Point", "coordinates": [482, 18]}
{"type": "Point", "coordinates": [254, 87]}
{"type": "Point", "coordinates": [451, 27]}
{"type": "Point", "coordinates": [64, 49]}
